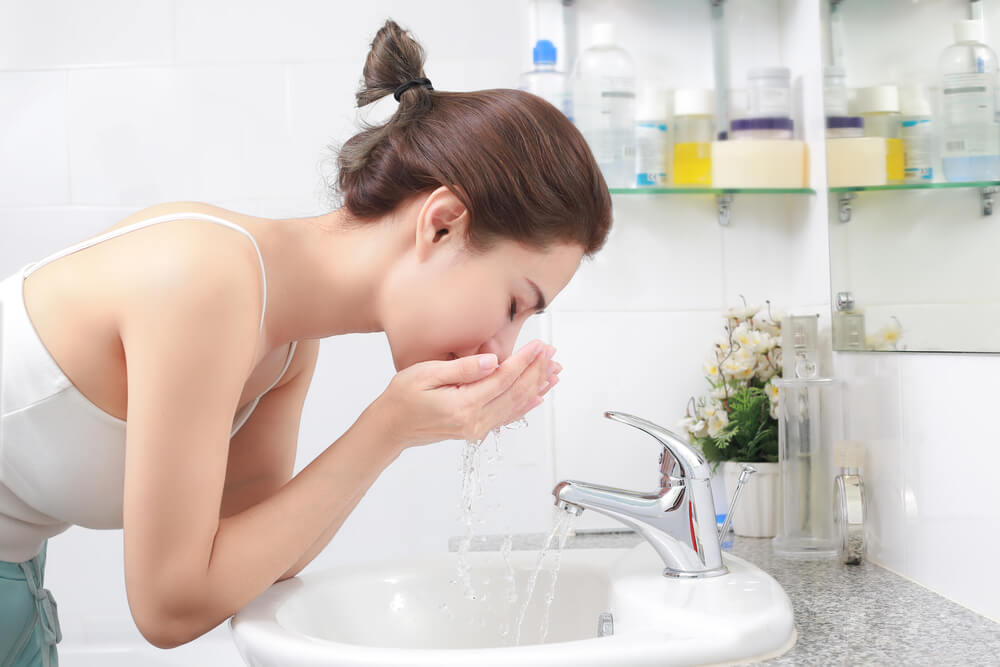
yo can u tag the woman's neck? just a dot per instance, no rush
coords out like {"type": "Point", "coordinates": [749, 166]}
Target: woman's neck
{"type": "Point", "coordinates": [324, 276]}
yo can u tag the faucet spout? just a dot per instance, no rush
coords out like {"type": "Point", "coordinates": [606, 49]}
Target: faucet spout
{"type": "Point", "coordinates": [678, 520]}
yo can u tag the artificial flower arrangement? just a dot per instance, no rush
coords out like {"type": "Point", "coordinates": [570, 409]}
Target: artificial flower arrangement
{"type": "Point", "coordinates": [737, 420]}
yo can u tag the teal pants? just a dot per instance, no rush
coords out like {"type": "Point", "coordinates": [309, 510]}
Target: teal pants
{"type": "Point", "coordinates": [29, 625]}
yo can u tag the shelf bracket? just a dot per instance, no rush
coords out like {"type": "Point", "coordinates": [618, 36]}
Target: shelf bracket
{"type": "Point", "coordinates": [844, 205]}
{"type": "Point", "coordinates": [725, 204]}
{"type": "Point", "coordinates": [986, 197]}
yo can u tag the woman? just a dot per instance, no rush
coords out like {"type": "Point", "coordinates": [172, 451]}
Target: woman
{"type": "Point", "coordinates": [154, 375]}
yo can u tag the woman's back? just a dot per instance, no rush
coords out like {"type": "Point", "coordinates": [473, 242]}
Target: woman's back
{"type": "Point", "coordinates": [65, 398]}
{"type": "Point", "coordinates": [73, 302]}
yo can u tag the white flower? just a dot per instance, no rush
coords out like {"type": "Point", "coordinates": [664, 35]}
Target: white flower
{"type": "Point", "coordinates": [711, 370]}
{"type": "Point", "coordinates": [887, 337]}
{"type": "Point", "coordinates": [745, 355]}
{"type": "Point", "coordinates": [744, 312]}
{"type": "Point", "coordinates": [709, 409]}
{"type": "Point", "coordinates": [696, 427]}
{"type": "Point", "coordinates": [740, 332]}
{"type": "Point", "coordinates": [765, 371]}
{"type": "Point", "coordinates": [736, 369]}
{"type": "Point", "coordinates": [769, 324]}
{"type": "Point", "coordinates": [723, 391]}
{"type": "Point", "coordinates": [773, 391]}
{"type": "Point", "coordinates": [717, 422]}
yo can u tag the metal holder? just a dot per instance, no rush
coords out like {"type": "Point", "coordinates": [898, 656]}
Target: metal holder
{"type": "Point", "coordinates": [745, 473]}
{"type": "Point", "coordinates": [725, 204]}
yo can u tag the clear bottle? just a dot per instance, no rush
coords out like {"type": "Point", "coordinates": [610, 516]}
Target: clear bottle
{"type": "Point", "coordinates": [694, 131]}
{"type": "Point", "coordinates": [834, 91]}
{"type": "Point", "coordinates": [879, 106]}
{"type": "Point", "coordinates": [545, 81]}
{"type": "Point", "coordinates": [603, 85]}
{"type": "Point", "coordinates": [917, 132]}
{"type": "Point", "coordinates": [652, 140]}
{"type": "Point", "coordinates": [970, 135]}
{"type": "Point", "coordinates": [810, 420]}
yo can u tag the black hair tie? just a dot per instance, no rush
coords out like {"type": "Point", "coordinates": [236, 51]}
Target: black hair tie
{"type": "Point", "coordinates": [423, 81]}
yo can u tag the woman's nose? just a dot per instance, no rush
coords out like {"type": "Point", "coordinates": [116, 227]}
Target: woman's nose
{"type": "Point", "coordinates": [502, 344]}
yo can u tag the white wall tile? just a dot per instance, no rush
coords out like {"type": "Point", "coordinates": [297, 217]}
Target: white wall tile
{"type": "Point", "coordinates": [139, 136]}
{"type": "Point", "coordinates": [64, 33]}
{"type": "Point", "coordinates": [930, 457]}
{"type": "Point", "coordinates": [33, 151]}
{"type": "Point", "coordinates": [662, 254]}
{"type": "Point", "coordinates": [768, 252]}
{"type": "Point", "coordinates": [30, 234]}
{"type": "Point", "coordinates": [311, 30]}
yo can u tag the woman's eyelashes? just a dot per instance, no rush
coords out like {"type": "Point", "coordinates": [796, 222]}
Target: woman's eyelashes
{"type": "Point", "coordinates": [513, 309]}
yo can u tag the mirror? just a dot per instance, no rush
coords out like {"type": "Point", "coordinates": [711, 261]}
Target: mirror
{"type": "Point", "coordinates": [913, 167]}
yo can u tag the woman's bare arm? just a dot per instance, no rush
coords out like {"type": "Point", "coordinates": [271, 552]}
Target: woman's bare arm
{"type": "Point", "coordinates": [189, 338]}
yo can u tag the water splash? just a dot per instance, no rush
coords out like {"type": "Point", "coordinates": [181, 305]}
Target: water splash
{"type": "Point", "coordinates": [562, 523]}
{"type": "Point", "coordinates": [510, 589]}
{"type": "Point", "coordinates": [568, 520]}
{"type": "Point", "coordinates": [472, 488]}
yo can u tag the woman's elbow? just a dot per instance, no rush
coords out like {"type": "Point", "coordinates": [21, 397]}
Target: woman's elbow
{"type": "Point", "coordinates": [164, 627]}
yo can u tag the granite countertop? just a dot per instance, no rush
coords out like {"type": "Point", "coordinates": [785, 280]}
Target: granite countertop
{"type": "Point", "coordinates": [845, 614]}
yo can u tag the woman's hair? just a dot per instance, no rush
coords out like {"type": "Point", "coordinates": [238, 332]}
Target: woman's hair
{"type": "Point", "coordinates": [520, 167]}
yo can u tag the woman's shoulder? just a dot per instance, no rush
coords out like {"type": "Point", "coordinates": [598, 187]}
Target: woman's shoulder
{"type": "Point", "coordinates": [189, 256]}
{"type": "Point", "coordinates": [180, 207]}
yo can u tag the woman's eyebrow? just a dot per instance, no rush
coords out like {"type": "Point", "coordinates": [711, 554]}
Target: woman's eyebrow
{"type": "Point", "coordinates": [541, 297]}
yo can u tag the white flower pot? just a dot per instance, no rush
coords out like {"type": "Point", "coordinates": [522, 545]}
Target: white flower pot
{"type": "Point", "coordinates": [756, 513]}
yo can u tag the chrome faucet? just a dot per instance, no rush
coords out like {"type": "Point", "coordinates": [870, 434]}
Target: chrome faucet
{"type": "Point", "coordinates": [678, 520]}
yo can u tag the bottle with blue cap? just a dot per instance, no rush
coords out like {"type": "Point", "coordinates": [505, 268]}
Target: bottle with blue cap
{"type": "Point", "coordinates": [545, 81]}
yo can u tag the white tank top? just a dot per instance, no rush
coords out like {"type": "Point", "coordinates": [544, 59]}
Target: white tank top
{"type": "Point", "coordinates": [62, 458]}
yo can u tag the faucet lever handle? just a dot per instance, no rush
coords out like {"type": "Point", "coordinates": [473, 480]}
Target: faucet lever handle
{"type": "Point", "coordinates": [691, 462]}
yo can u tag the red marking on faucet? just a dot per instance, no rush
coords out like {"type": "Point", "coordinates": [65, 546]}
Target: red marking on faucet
{"type": "Point", "coordinates": [694, 542]}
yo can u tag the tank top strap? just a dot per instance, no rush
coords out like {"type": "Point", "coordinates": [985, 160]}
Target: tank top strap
{"type": "Point", "coordinates": [152, 221]}
{"type": "Point", "coordinates": [288, 362]}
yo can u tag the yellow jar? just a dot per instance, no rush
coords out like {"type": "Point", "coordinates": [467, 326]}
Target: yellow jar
{"type": "Point", "coordinates": [694, 132]}
{"type": "Point", "coordinates": [895, 166]}
{"type": "Point", "coordinates": [693, 163]}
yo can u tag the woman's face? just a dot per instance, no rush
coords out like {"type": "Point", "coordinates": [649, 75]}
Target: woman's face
{"type": "Point", "coordinates": [442, 301]}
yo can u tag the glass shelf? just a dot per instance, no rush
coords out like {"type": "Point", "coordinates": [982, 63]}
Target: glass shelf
{"type": "Point", "coordinates": [916, 186]}
{"type": "Point", "coordinates": [987, 191]}
{"type": "Point", "coordinates": [712, 191]}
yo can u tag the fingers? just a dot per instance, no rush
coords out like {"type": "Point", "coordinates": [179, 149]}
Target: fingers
{"type": "Point", "coordinates": [459, 371]}
{"type": "Point", "coordinates": [522, 394]}
{"type": "Point", "coordinates": [501, 380]}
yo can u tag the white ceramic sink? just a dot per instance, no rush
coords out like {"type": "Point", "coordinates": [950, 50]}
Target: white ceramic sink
{"type": "Point", "coordinates": [409, 612]}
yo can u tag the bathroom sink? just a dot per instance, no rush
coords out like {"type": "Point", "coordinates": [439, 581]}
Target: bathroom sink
{"type": "Point", "coordinates": [414, 612]}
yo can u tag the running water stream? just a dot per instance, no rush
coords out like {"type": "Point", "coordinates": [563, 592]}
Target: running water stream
{"type": "Point", "coordinates": [472, 488]}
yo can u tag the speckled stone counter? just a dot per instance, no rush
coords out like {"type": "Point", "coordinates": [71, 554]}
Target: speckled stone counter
{"type": "Point", "coordinates": [844, 614]}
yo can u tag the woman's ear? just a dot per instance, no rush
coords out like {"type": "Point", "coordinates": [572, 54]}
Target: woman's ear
{"type": "Point", "coordinates": [442, 222]}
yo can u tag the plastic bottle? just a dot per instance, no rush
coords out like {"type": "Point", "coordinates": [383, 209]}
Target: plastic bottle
{"type": "Point", "coordinates": [652, 142]}
{"type": "Point", "coordinates": [970, 135]}
{"type": "Point", "coordinates": [694, 131]}
{"type": "Point", "coordinates": [603, 85]}
{"type": "Point", "coordinates": [879, 106]}
{"type": "Point", "coordinates": [917, 133]}
{"type": "Point", "coordinates": [834, 91]}
{"type": "Point", "coordinates": [545, 81]}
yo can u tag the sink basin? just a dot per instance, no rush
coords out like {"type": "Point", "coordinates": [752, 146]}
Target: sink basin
{"type": "Point", "coordinates": [413, 612]}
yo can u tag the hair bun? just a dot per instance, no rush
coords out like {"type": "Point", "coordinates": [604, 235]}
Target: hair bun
{"type": "Point", "coordinates": [395, 60]}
